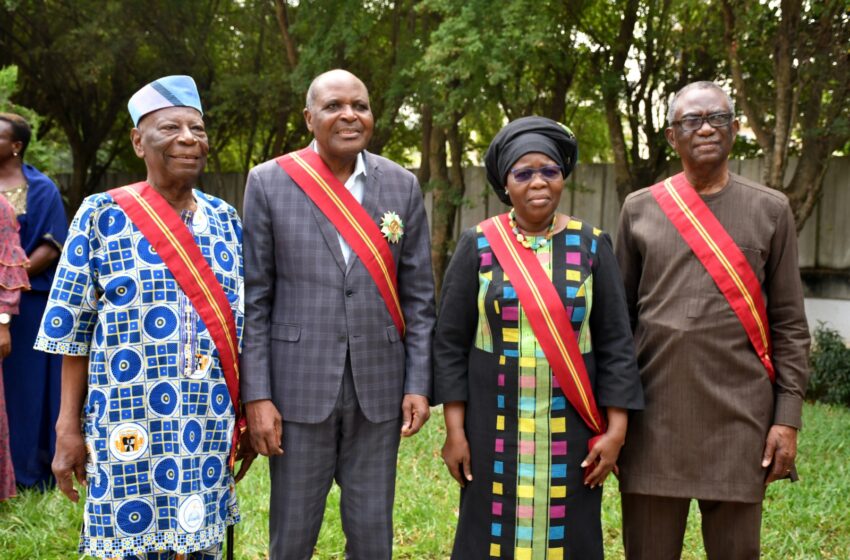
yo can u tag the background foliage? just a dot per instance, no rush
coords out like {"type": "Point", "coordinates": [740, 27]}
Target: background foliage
{"type": "Point", "coordinates": [443, 77]}
{"type": "Point", "coordinates": [830, 362]}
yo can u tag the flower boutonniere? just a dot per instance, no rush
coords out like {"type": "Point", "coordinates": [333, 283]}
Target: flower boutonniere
{"type": "Point", "coordinates": [392, 227]}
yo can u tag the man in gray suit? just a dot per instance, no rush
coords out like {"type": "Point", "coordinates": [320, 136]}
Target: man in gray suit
{"type": "Point", "coordinates": [330, 379]}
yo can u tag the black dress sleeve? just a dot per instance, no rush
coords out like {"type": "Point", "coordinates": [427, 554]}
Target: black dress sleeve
{"type": "Point", "coordinates": [617, 378]}
{"type": "Point", "coordinates": [456, 322]}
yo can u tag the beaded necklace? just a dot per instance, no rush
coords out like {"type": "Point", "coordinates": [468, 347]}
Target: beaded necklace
{"type": "Point", "coordinates": [539, 240]}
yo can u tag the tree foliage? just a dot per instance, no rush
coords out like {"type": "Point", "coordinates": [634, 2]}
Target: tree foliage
{"type": "Point", "coordinates": [47, 149]}
{"type": "Point", "coordinates": [443, 78]}
{"type": "Point", "coordinates": [789, 65]}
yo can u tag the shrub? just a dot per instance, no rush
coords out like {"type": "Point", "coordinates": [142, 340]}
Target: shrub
{"type": "Point", "coordinates": [830, 362]}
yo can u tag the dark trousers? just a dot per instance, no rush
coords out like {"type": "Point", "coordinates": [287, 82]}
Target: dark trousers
{"type": "Point", "coordinates": [654, 528]}
{"type": "Point", "coordinates": [360, 456]}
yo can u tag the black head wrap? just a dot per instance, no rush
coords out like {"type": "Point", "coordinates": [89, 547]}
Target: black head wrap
{"type": "Point", "coordinates": [523, 136]}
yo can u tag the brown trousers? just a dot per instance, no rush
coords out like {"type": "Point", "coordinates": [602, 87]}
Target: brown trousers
{"type": "Point", "coordinates": [654, 528]}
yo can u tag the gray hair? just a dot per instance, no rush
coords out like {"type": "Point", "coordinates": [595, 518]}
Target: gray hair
{"type": "Point", "coordinates": [311, 95]}
{"type": "Point", "coordinates": [697, 85]}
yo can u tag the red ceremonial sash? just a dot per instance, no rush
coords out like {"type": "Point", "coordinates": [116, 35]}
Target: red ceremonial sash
{"type": "Point", "coordinates": [721, 257]}
{"type": "Point", "coordinates": [548, 319]}
{"type": "Point", "coordinates": [174, 244]}
{"type": "Point", "coordinates": [351, 221]}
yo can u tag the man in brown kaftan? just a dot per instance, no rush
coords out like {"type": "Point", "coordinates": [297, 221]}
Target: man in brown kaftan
{"type": "Point", "coordinates": [714, 429]}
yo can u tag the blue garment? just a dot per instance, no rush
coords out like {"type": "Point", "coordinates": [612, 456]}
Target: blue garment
{"type": "Point", "coordinates": [31, 378]}
{"type": "Point", "coordinates": [45, 221]}
{"type": "Point", "coordinates": [158, 433]}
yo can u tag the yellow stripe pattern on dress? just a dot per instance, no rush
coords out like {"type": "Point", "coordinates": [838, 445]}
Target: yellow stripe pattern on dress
{"type": "Point", "coordinates": [190, 265]}
{"type": "Point", "coordinates": [739, 283]}
{"type": "Point", "coordinates": [361, 232]}
{"type": "Point", "coordinates": [550, 323]}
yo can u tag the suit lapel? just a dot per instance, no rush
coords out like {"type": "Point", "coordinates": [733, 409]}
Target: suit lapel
{"type": "Point", "coordinates": [371, 196]}
{"type": "Point", "coordinates": [329, 232]}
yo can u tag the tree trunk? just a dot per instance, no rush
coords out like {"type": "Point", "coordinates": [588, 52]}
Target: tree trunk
{"type": "Point", "coordinates": [448, 196]}
{"type": "Point", "coordinates": [611, 88]}
{"type": "Point", "coordinates": [622, 174]}
{"type": "Point", "coordinates": [442, 213]}
{"type": "Point", "coordinates": [424, 172]}
{"type": "Point", "coordinates": [77, 190]}
{"type": "Point", "coordinates": [283, 24]}
{"type": "Point", "coordinates": [806, 185]}
{"type": "Point", "coordinates": [785, 82]}
{"type": "Point", "coordinates": [798, 92]}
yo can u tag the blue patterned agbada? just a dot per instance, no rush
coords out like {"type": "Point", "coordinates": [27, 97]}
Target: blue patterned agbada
{"type": "Point", "coordinates": [158, 417]}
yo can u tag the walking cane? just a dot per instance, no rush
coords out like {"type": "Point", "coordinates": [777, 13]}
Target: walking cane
{"type": "Point", "coordinates": [230, 542]}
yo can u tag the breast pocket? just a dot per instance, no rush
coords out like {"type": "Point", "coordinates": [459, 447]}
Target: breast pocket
{"type": "Point", "coordinates": [707, 295]}
{"type": "Point", "coordinates": [392, 334]}
{"type": "Point", "coordinates": [285, 332]}
{"type": "Point", "coordinates": [756, 259]}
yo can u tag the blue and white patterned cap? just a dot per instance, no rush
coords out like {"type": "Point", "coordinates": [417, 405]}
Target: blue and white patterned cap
{"type": "Point", "coordinates": [170, 91]}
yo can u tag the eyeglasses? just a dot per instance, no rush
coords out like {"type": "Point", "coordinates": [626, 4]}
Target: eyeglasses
{"type": "Point", "coordinates": [694, 122]}
{"type": "Point", "coordinates": [548, 172]}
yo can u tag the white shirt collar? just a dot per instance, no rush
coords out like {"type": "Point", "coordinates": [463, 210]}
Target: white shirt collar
{"type": "Point", "coordinates": [359, 165]}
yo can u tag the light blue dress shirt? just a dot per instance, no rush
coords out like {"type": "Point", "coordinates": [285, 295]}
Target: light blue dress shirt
{"type": "Point", "coordinates": [355, 185]}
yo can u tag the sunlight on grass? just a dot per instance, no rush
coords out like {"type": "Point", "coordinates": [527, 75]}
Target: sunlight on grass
{"type": "Point", "coordinates": [803, 521]}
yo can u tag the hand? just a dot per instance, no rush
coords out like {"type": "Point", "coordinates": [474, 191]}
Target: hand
{"type": "Point", "coordinates": [603, 454]}
{"type": "Point", "coordinates": [5, 341]}
{"type": "Point", "coordinates": [69, 462]}
{"type": "Point", "coordinates": [780, 449]}
{"type": "Point", "coordinates": [456, 457]}
{"type": "Point", "coordinates": [414, 412]}
{"type": "Point", "coordinates": [246, 454]}
{"type": "Point", "coordinates": [265, 427]}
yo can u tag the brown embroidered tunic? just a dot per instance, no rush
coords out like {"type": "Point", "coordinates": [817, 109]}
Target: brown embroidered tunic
{"type": "Point", "coordinates": [709, 402]}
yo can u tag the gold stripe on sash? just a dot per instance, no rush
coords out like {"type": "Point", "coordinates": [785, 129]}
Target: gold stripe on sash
{"type": "Point", "coordinates": [342, 208]}
{"type": "Point", "coordinates": [668, 184]}
{"type": "Point", "coordinates": [549, 322]}
{"type": "Point", "coordinates": [189, 265]}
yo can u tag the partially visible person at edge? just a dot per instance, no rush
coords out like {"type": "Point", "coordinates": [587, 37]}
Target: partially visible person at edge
{"type": "Point", "coordinates": [146, 310]}
{"type": "Point", "coordinates": [532, 344]}
{"type": "Point", "coordinates": [32, 380]}
{"type": "Point", "coordinates": [339, 314]}
{"type": "Point", "coordinates": [13, 279]}
{"type": "Point", "coordinates": [709, 261]}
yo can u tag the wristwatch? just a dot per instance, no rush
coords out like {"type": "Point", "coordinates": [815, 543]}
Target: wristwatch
{"type": "Point", "coordinates": [5, 318]}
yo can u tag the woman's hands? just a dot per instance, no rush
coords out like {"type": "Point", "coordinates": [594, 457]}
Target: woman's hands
{"type": "Point", "coordinates": [456, 449]}
{"type": "Point", "coordinates": [603, 455]}
{"type": "Point", "coordinates": [456, 456]}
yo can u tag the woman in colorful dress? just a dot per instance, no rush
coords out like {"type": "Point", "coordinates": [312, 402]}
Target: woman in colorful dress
{"type": "Point", "coordinates": [13, 279]}
{"type": "Point", "coordinates": [524, 362]}
{"type": "Point", "coordinates": [146, 310]}
{"type": "Point", "coordinates": [32, 378]}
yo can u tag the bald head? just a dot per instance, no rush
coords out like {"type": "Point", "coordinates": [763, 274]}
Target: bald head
{"type": "Point", "coordinates": [331, 76]}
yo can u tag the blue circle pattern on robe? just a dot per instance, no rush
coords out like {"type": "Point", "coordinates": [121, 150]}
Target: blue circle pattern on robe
{"type": "Point", "coordinates": [157, 436]}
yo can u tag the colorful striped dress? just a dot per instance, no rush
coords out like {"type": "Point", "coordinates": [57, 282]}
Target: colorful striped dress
{"type": "Point", "coordinates": [527, 500]}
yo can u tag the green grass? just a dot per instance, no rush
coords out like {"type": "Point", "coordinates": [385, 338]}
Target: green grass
{"type": "Point", "coordinates": [808, 520]}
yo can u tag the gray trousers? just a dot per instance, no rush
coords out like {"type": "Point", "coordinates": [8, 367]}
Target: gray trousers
{"type": "Point", "coordinates": [654, 528]}
{"type": "Point", "coordinates": [360, 456]}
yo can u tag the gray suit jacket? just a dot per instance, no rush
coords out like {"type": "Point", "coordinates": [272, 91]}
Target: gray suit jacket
{"type": "Point", "coordinates": [304, 308]}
